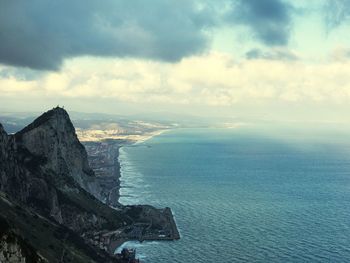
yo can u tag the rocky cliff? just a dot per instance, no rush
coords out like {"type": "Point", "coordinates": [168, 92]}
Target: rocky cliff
{"type": "Point", "coordinates": [49, 199]}
{"type": "Point", "coordinates": [44, 168]}
{"type": "Point", "coordinates": [53, 136]}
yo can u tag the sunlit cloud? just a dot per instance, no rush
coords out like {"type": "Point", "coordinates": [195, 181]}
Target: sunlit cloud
{"type": "Point", "coordinates": [212, 79]}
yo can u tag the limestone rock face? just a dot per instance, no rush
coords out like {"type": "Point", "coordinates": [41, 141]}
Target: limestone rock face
{"type": "Point", "coordinates": [45, 168]}
{"type": "Point", "coordinates": [23, 175]}
{"type": "Point", "coordinates": [50, 208]}
{"type": "Point", "coordinates": [53, 137]}
{"type": "Point", "coordinates": [14, 250]}
{"type": "Point", "coordinates": [13, 176]}
{"type": "Point", "coordinates": [10, 252]}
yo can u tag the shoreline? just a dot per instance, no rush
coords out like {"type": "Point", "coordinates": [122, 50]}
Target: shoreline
{"type": "Point", "coordinates": [150, 136]}
{"type": "Point", "coordinates": [175, 235]}
{"type": "Point", "coordinates": [117, 243]}
{"type": "Point", "coordinates": [149, 223]}
{"type": "Point", "coordinates": [132, 142]}
{"type": "Point", "coordinates": [103, 154]}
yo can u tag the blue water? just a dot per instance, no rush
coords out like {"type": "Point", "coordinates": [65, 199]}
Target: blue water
{"type": "Point", "coordinates": [242, 196]}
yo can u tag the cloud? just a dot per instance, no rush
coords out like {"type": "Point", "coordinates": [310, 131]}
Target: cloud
{"type": "Point", "coordinates": [20, 73]}
{"type": "Point", "coordinates": [270, 20]}
{"type": "Point", "coordinates": [214, 79]}
{"type": "Point", "coordinates": [340, 54]}
{"type": "Point", "coordinates": [272, 54]}
{"type": "Point", "coordinates": [336, 13]}
{"type": "Point", "coordinates": [40, 34]}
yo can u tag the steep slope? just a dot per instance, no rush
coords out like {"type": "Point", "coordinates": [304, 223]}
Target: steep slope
{"type": "Point", "coordinates": [26, 236]}
{"type": "Point", "coordinates": [43, 168]}
{"type": "Point", "coordinates": [49, 199]}
{"type": "Point", "coordinates": [53, 135]}
{"type": "Point", "coordinates": [46, 167]}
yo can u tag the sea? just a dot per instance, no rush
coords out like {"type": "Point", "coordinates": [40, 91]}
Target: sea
{"type": "Point", "coordinates": [244, 195]}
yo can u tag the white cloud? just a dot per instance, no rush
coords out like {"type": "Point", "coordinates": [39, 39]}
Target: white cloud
{"type": "Point", "coordinates": [211, 79]}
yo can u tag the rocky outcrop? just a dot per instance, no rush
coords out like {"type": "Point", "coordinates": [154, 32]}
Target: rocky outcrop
{"type": "Point", "coordinates": [26, 236]}
{"type": "Point", "coordinates": [49, 194]}
{"type": "Point", "coordinates": [53, 136]}
{"type": "Point", "coordinates": [44, 167]}
{"type": "Point", "coordinates": [14, 249]}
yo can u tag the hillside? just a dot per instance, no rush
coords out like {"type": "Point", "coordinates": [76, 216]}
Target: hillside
{"type": "Point", "coordinates": [50, 197]}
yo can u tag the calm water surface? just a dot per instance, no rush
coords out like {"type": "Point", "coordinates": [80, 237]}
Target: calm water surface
{"type": "Point", "coordinates": [239, 196]}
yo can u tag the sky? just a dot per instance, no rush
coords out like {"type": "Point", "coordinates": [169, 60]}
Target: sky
{"type": "Point", "coordinates": [235, 59]}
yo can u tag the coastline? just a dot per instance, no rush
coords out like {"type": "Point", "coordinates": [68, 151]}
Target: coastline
{"type": "Point", "coordinates": [175, 235]}
{"type": "Point", "coordinates": [148, 223]}
{"type": "Point", "coordinates": [150, 136]}
{"type": "Point", "coordinates": [103, 155]}
{"type": "Point", "coordinates": [133, 142]}
{"type": "Point", "coordinates": [116, 244]}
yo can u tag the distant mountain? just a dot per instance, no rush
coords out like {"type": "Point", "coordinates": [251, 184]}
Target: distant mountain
{"type": "Point", "coordinates": [49, 198]}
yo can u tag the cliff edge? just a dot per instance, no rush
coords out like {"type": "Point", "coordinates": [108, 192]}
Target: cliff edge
{"type": "Point", "coordinates": [45, 180]}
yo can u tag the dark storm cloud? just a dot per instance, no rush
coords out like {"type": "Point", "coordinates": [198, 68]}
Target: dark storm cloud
{"type": "Point", "coordinates": [40, 34]}
{"type": "Point", "coordinates": [271, 55]}
{"type": "Point", "coordinates": [269, 19]}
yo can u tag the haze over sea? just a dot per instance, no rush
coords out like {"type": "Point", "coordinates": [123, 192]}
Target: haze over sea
{"type": "Point", "coordinates": [244, 196]}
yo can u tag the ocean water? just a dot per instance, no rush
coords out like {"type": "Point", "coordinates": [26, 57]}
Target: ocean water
{"type": "Point", "coordinates": [243, 196]}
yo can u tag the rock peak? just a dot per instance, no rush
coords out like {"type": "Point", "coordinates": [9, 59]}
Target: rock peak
{"type": "Point", "coordinates": [52, 136]}
{"type": "Point", "coordinates": [56, 115]}
{"type": "Point", "coordinates": [57, 110]}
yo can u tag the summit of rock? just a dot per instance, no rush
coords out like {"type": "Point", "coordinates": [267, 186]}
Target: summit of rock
{"type": "Point", "coordinates": [45, 179]}
{"type": "Point", "coordinates": [50, 203]}
{"type": "Point", "coordinates": [52, 138]}
{"type": "Point", "coordinates": [52, 117]}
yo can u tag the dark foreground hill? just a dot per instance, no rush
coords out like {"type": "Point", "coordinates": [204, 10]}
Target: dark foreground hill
{"type": "Point", "coordinates": [49, 200]}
